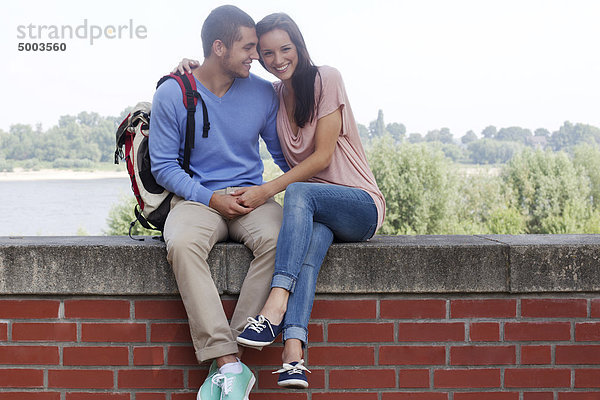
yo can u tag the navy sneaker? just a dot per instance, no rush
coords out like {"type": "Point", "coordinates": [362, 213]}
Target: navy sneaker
{"type": "Point", "coordinates": [259, 332]}
{"type": "Point", "coordinates": [292, 375]}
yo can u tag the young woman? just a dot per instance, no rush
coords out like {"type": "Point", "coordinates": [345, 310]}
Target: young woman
{"type": "Point", "coordinates": [330, 191]}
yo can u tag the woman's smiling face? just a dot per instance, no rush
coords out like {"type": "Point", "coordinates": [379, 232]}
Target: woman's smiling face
{"type": "Point", "coordinates": [278, 54]}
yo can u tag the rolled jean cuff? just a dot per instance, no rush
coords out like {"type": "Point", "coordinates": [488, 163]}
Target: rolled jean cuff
{"type": "Point", "coordinates": [283, 281]}
{"type": "Point", "coordinates": [295, 332]}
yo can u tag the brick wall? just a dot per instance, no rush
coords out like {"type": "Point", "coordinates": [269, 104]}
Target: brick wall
{"type": "Point", "coordinates": [363, 347]}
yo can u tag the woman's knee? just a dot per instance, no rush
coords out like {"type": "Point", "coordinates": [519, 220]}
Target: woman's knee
{"type": "Point", "coordinates": [297, 194]}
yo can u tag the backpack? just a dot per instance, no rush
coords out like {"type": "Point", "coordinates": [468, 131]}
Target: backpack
{"type": "Point", "coordinates": [154, 201]}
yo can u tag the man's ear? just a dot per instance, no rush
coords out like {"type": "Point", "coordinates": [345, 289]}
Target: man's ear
{"type": "Point", "coordinates": [219, 48]}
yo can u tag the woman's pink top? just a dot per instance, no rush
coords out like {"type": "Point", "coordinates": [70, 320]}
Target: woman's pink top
{"type": "Point", "coordinates": [349, 165]}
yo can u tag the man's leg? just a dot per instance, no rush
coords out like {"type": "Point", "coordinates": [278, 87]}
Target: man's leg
{"type": "Point", "coordinates": [191, 230]}
{"type": "Point", "coordinates": [258, 230]}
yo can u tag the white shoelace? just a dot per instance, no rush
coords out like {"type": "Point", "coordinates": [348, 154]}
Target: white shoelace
{"type": "Point", "coordinates": [225, 383]}
{"type": "Point", "coordinates": [259, 324]}
{"type": "Point", "coordinates": [292, 369]}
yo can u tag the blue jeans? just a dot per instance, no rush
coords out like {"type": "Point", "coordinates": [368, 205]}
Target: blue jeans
{"type": "Point", "coordinates": [313, 214]}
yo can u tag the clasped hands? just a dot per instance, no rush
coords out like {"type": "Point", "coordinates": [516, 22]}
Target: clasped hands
{"type": "Point", "coordinates": [240, 202]}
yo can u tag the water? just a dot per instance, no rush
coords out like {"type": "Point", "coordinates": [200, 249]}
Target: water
{"type": "Point", "coordinates": [59, 207]}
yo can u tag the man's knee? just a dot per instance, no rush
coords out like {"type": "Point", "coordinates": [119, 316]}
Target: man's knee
{"type": "Point", "coordinates": [185, 242]}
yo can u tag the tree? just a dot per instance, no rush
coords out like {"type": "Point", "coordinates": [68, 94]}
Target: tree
{"type": "Point", "coordinates": [541, 132]}
{"type": "Point", "coordinates": [363, 132]}
{"type": "Point", "coordinates": [415, 138]}
{"type": "Point", "coordinates": [439, 135]}
{"type": "Point", "coordinates": [569, 135]}
{"type": "Point", "coordinates": [396, 130]}
{"type": "Point", "coordinates": [552, 192]}
{"type": "Point", "coordinates": [489, 132]}
{"type": "Point", "coordinates": [488, 151]}
{"type": "Point", "coordinates": [468, 137]}
{"type": "Point", "coordinates": [377, 127]}
{"type": "Point", "coordinates": [417, 185]}
{"type": "Point", "coordinates": [120, 217]}
{"type": "Point", "coordinates": [514, 134]}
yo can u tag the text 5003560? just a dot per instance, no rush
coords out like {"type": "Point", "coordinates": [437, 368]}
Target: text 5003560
{"type": "Point", "coordinates": [44, 46]}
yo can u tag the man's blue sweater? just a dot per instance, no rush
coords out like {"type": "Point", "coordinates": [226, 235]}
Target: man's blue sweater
{"type": "Point", "coordinates": [230, 154]}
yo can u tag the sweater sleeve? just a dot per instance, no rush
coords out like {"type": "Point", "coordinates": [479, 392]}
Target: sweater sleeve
{"type": "Point", "coordinates": [166, 146]}
{"type": "Point", "coordinates": [269, 135]}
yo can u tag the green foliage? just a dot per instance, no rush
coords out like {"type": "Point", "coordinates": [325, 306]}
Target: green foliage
{"type": "Point", "coordinates": [489, 151]}
{"type": "Point", "coordinates": [120, 217]}
{"type": "Point", "coordinates": [416, 184]}
{"type": "Point", "coordinates": [587, 158]}
{"type": "Point", "coordinates": [552, 192]}
{"type": "Point", "coordinates": [570, 135]}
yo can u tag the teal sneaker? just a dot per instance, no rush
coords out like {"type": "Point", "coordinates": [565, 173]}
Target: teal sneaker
{"type": "Point", "coordinates": [235, 386]}
{"type": "Point", "coordinates": [209, 389]}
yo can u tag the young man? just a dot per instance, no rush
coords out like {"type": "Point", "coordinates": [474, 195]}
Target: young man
{"type": "Point", "coordinates": [240, 107]}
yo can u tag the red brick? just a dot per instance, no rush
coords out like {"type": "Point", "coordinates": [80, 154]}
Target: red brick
{"type": "Point", "coordinates": [431, 332]}
{"type": "Point", "coordinates": [360, 332]}
{"type": "Point", "coordinates": [484, 332]}
{"type": "Point", "coordinates": [97, 396]}
{"type": "Point", "coordinates": [3, 331]}
{"type": "Point", "coordinates": [160, 309]}
{"type": "Point", "coordinates": [30, 396]}
{"type": "Point", "coordinates": [268, 380]}
{"type": "Point", "coordinates": [97, 309]}
{"type": "Point", "coordinates": [170, 333]}
{"type": "Point", "coordinates": [537, 378]}
{"type": "Point", "coordinates": [117, 332]}
{"type": "Point", "coordinates": [197, 376]}
{"type": "Point", "coordinates": [487, 396]}
{"type": "Point", "coordinates": [415, 396]}
{"type": "Point", "coordinates": [537, 331]}
{"type": "Point", "coordinates": [270, 355]}
{"type": "Point", "coordinates": [587, 331]}
{"type": "Point", "coordinates": [579, 396]}
{"type": "Point", "coordinates": [554, 308]}
{"type": "Point", "coordinates": [57, 332]}
{"type": "Point", "coordinates": [595, 308]}
{"type": "Point", "coordinates": [482, 355]}
{"type": "Point", "coordinates": [587, 378]}
{"type": "Point", "coordinates": [32, 309]}
{"type": "Point", "coordinates": [23, 378]}
{"type": "Point", "coordinates": [344, 309]}
{"type": "Point", "coordinates": [467, 378]}
{"type": "Point", "coordinates": [95, 356]}
{"type": "Point", "coordinates": [412, 355]}
{"type": "Point", "coordinates": [181, 355]}
{"type": "Point", "coordinates": [582, 354]}
{"type": "Point", "coordinates": [33, 355]}
{"type": "Point", "coordinates": [288, 396]}
{"type": "Point", "coordinates": [150, 379]}
{"type": "Point", "coordinates": [148, 356]}
{"type": "Point", "coordinates": [536, 355]}
{"type": "Point", "coordinates": [413, 309]}
{"type": "Point", "coordinates": [362, 379]}
{"type": "Point", "coordinates": [341, 355]}
{"type": "Point", "coordinates": [80, 379]}
{"type": "Point", "coordinates": [538, 396]}
{"type": "Point", "coordinates": [183, 396]}
{"type": "Point", "coordinates": [150, 396]}
{"type": "Point", "coordinates": [315, 333]}
{"type": "Point", "coordinates": [413, 378]}
{"type": "Point", "coordinates": [343, 396]}
{"type": "Point", "coordinates": [486, 308]}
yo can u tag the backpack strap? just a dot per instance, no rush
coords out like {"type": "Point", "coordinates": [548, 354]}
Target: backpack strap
{"type": "Point", "coordinates": [187, 83]}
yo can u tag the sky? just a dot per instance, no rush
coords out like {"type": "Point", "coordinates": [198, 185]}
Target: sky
{"type": "Point", "coordinates": [460, 64]}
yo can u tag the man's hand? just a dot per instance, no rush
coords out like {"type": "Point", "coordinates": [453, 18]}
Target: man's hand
{"type": "Point", "coordinates": [186, 65]}
{"type": "Point", "coordinates": [227, 205]}
{"type": "Point", "coordinates": [252, 196]}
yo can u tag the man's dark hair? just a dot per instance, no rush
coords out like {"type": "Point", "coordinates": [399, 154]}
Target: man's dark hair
{"type": "Point", "coordinates": [223, 24]}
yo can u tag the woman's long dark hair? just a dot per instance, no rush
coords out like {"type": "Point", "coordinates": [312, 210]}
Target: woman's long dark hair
{"type": "Point", "coordinates": [303, 79]}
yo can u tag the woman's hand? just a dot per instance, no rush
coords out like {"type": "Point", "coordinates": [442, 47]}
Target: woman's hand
{"type": "Point", "coordinates": [186, 65]}
{"type": "Point", "coordinates": [252, 196]}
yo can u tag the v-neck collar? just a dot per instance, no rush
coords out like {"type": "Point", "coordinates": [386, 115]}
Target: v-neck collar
{"type": "Point", "coordinates": [213, 96]}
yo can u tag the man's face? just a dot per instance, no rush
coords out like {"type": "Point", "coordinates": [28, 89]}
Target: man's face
{"type": "Point", "coordinates": [239, 57]}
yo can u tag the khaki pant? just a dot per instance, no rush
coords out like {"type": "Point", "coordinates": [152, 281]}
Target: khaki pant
{"type": "Point", "coordinates": [191, 230]}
